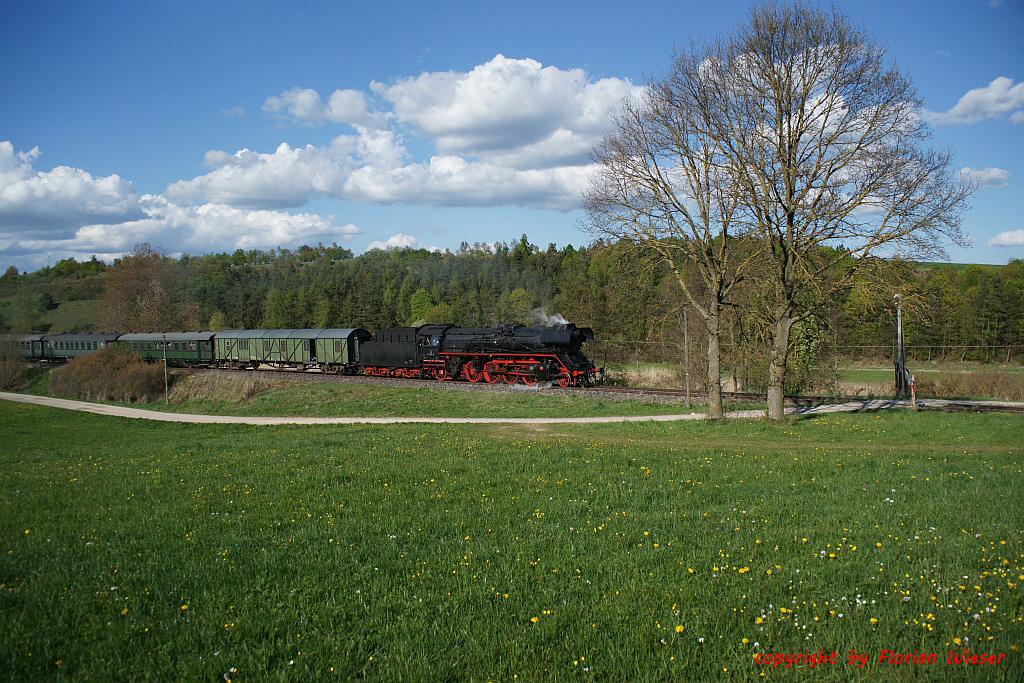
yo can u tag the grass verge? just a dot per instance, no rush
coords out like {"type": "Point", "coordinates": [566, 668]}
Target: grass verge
{"type": "Point", "coordinates": [640, 552]}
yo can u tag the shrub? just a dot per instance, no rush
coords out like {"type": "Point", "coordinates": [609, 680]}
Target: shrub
{"type": "Point", "coordinates": [12, 368]}
{"type": "Point", "coordinates": [112, 374]}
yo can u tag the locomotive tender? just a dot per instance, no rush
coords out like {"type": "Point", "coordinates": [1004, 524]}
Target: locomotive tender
{"type": "Point", "coordinates": [506, 354]}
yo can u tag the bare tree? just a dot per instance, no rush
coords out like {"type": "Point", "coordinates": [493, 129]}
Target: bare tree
{"type": "Point", "coordinates": [793, 127]}
{"type": "Point", "coordinates": [828, 142]}
{"type": "Point", "coordinates": [667, 184]}
{"type": "Point", "coordinates": [139, 294]}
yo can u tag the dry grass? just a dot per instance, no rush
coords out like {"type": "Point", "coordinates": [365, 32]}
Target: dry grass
{"type": "Point", "coordinates": [999, 385]}
{"type": "Point", "coordinates": [653, 376]}
{"type": "Point", "coordinates": [994, 384]}
{"type": "Point", "coordinates": [865, 389]}
{"type": "Point", "coordinates": [219, 387]}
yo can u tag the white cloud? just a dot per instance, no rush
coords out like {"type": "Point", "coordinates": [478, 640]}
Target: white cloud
{"type": "Point", "coordinates": [506, 105]}
{"type": "Point", "coordinates": [67, 212]}
{"type": "Point", "coordinates": [304, 105]}
{"type": "Point", "coordinates": [399, 241]}
{"type": "Point", "coordinates": [286, 178]}
{"type": "Point", "coordinates": [988, 177]}
{"type": "Point", "coordinates": [53, 203]}
{"type": "Point", "coordinates": [508, 132]}
{"type": "Point", "coordinates": [999, 97]}
{"type": "Point", "coordinates": [453, 181]}
{"type": "Point", "coordinates": [1010, 238]}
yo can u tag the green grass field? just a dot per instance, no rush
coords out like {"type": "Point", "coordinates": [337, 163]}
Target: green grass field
{"type": "Point", "coordinates": [134, 550]}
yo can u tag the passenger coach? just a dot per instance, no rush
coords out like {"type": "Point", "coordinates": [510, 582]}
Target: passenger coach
{"type": "Point", "coordinates": [194, 349]}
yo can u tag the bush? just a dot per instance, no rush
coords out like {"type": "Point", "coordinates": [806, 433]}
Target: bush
{"type": "Point", "coordinates": [112, 374]}
{"type": "Point", "coordinates": [12, 368]}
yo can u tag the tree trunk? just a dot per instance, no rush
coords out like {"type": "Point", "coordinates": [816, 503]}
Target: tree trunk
{"type": "Point", "coordinates": [715, 411]}
{"type": "Point", "coordinates": [777, 368]}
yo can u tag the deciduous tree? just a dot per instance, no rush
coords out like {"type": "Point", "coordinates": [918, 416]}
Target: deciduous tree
{"type": "Point", "coordinates": [667, 183]}
{"type": "Point", "coordinates": [828, 143]}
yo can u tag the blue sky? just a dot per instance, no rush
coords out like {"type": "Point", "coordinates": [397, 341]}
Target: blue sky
{"type": "Point", "coordinates": [211, 126]}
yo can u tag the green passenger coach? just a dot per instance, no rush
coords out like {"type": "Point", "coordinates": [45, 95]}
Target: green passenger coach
{"type": "Point", "coordinates": [180, 348]}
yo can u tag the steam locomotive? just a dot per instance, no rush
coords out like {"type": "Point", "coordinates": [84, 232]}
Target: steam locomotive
{"type": "Point", "coordinates": [507, 354]}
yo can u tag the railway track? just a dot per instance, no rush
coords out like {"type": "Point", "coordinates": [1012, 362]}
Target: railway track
{"type": "Point", "coordinates": [614, 392]}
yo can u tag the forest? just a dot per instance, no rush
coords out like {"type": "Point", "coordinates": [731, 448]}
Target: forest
{"type": "Point", "coordinates": [951, 312]}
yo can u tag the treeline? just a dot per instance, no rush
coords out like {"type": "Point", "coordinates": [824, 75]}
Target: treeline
{"type": "Point", "coordinates": [950, 312]}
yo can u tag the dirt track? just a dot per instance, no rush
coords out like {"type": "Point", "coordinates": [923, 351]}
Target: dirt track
{"type": "Point", "coordinates": [138, 413]}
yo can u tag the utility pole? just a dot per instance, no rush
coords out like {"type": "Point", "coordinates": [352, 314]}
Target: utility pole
{"type": "Point", "coordinates": [165, 367]}
{"type": "Point", "coordinates": [686, 353]}
{"type": "Point", "coordinates": [904, 380]}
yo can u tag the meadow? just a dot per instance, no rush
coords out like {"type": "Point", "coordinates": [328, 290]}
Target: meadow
{"type": "Point", "coordinates": [132, 550]}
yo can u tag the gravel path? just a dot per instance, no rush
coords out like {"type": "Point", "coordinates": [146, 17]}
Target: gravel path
{"type": "Point", "coordinates": [138, 413]}
{"type": "Point", "coordinates": [103, 409]}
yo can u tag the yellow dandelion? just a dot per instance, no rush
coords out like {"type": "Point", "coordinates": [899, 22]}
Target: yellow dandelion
{"type": "Point", "coordinates": [679, 628]}
{"type": "Point", "coordinates": [184, 607]}
{"type": "Point", "coordinates": [534, 619]}
{"type": "Point", "coordinates": [873, 620]}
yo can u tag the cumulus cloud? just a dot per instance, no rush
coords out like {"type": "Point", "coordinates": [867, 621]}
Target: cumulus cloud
{"type": "Point", "coordinates": [399, 241]}
{"type": "Point", "coordinates": [288, 177]}
{"type": "Point", "coordinates": [987, 177]}
{"type": "Point", "coordinates": [507, 105]}
{"type": "Point", "coordinates": [304, 105]}
{"type": "Point", "coordinates": [999, 97]}
{"type": "Point", "coordinates": [68, 212]}
{"type": "Point", "coordinates": [1009, 238]}
{"type": "Point", "coordinates": [508, 132]}
{"type": "Point", "coordinates": [53, 203]}
{"type": "Point", "coordinates": [453, 181]}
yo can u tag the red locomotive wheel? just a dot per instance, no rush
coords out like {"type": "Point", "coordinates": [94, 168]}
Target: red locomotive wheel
{"type": "Point", "coordinates": [510, 378]}
{"type": "Point", "coordinates": [470, 372]}
{"type": "Point", "coordinates": [529, 380]}
{"type": "Point", "coordinates": [564, 379]}
{"type": "Point", "coordinates": [492, 374]}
